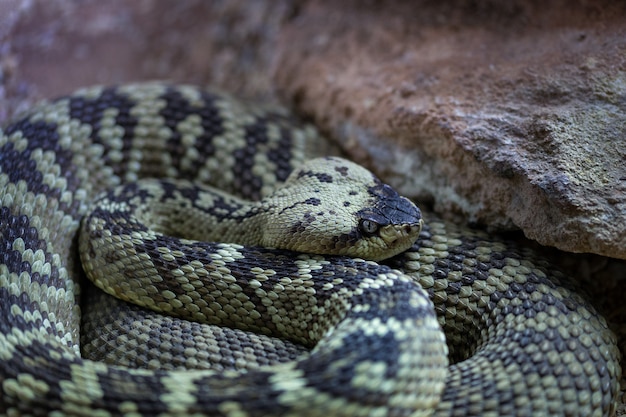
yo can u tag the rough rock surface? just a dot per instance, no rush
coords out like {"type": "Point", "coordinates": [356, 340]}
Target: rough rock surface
{"type": "Point", "coordinates": [506, 114]}
{"type": "Point", "coordinates": [511, 115]}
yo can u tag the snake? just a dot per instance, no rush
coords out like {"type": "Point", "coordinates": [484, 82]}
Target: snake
{"type": "Point", "coordinates": [117, 298]}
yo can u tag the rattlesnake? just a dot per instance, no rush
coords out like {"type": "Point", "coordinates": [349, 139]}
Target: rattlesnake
{"type": "Point", "coordinates": [361, 338]}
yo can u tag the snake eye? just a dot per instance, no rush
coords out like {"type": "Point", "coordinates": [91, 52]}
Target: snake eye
{"type": "Point", "coordinates": [368, 227]}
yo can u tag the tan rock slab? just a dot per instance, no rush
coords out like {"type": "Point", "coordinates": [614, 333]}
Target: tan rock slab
{"type": "Point", "coordinates": [510, 115]}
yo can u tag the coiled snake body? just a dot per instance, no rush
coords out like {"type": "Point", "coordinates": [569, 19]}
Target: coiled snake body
{"type": "Point", "coordinates": [356, 337]}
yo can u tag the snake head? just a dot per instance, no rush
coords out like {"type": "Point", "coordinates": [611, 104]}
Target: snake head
{"type": "Point", "coordinates": [332, 206]}
{"type": "Point", "coordinates": [391, 224]}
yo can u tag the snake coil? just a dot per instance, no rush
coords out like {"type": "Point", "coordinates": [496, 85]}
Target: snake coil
{"type": "Point", "coordinates": [362, 338]}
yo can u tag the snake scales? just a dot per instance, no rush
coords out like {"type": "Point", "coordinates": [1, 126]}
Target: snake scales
{"type": "Point", "coordinates": [361, 338]}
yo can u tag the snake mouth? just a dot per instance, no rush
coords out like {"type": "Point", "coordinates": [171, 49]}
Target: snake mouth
{"type": "Point", "coordinates": [394, 233]}
{"type": "Point", "coordinates": [399, 238]}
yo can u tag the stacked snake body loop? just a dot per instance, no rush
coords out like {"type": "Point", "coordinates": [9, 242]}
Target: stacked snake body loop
{"type": "Point", "coordinates": [312, 334]}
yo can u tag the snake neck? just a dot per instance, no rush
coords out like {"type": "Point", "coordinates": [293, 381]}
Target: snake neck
{"type": "Point", "coordinates": [203, 214]}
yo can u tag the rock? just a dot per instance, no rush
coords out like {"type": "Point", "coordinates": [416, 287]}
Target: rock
{"type": "Point", "coordinates": [50, 48]}
{"type": "Point", "coordinates": [511, 115]}
{"type": "Point", "coordinates": [508, 115]}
